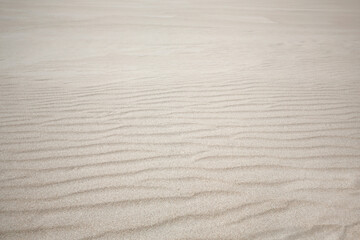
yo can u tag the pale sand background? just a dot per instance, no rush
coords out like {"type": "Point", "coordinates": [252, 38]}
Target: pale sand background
{"type": "Point", "coordinates": [180, 119]}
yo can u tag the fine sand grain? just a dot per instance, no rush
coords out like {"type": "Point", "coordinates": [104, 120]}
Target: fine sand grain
{"type": "Point", "coordinates": [192, 119]}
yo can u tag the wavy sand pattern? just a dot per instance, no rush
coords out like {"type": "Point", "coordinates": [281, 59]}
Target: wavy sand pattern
{"type": "Point", "coordinates": [180, 119]}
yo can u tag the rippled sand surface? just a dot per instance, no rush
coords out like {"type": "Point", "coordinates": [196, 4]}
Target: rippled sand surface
{"type": "Point", "coordinates": [191, 119]}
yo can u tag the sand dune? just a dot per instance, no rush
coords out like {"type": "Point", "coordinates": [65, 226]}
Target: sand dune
{"type": "Point", "coordinates": [180, 119]}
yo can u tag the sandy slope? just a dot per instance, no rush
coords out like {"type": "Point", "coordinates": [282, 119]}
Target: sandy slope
{"type": "Point", "coordinates": [180, 119]}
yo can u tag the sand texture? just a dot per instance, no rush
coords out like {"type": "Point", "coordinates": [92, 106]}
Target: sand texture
{"type": "Point", "coordinates": [192, 119]}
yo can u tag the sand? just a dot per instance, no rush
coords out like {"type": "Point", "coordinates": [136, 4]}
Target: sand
{"type": "Point", "coordinates": [192, 119]}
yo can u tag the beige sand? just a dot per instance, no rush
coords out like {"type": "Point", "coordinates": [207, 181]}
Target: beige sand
{"type": "Point", "coordinates": [219, 119]}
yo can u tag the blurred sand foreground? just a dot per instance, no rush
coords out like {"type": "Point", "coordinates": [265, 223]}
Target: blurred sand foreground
{"type": "Point", "coordinates": [178, 120]}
